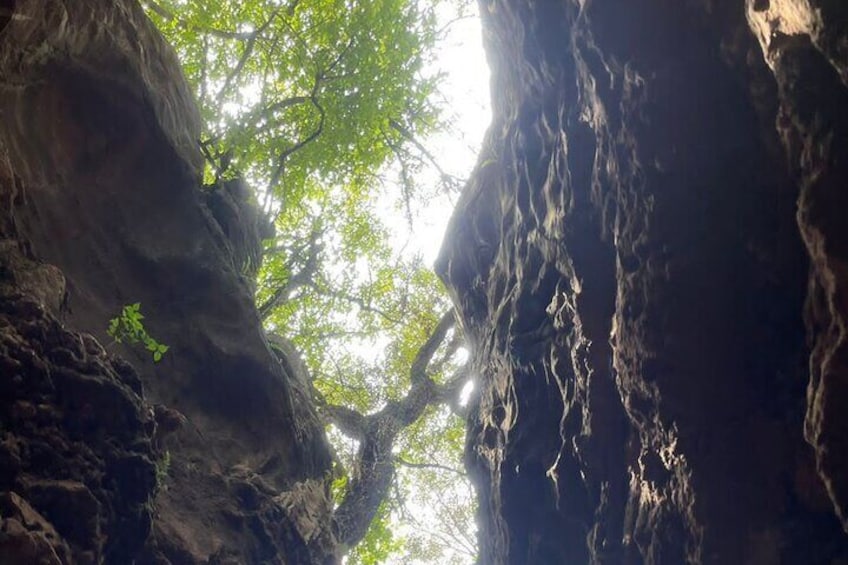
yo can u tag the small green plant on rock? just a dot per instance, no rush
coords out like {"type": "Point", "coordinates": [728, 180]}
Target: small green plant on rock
{"type": "Point", "coordinates": [163, 466]}
{"type": "Point", "coordinates": [127, 327]}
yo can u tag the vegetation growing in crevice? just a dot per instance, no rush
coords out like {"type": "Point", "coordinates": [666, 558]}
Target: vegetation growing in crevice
{"type": "Point", "coordinates": [128, 327]}
{"type": "Point", "coordinates": [163, 467]}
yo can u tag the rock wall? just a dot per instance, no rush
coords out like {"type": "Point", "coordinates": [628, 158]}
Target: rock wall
{"type": "Point", "coordinates": [209, 456]}
{"type": "Point", "coordinates": [650, 263]}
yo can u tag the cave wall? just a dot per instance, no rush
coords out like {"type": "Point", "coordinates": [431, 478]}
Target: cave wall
{"type": "Point", "coordinates": [211, 455]}
{"type": "Point", "coordinates": [649, 263]}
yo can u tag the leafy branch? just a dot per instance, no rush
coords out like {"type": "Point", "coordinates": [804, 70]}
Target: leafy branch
{"type": "Point", "coordinates": [168, 15]}
{"type": "Point", "coordinates": [128, 327]}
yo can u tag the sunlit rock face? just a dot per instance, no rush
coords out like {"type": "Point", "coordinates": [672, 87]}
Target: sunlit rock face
{"type": "Point", "coordinates": [102, 207]}
{"type": "Point", "coordinates": [651, 263]}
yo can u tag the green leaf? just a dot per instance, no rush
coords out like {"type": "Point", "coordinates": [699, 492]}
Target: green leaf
{"type": "Point", "coordinates": [129, 326]}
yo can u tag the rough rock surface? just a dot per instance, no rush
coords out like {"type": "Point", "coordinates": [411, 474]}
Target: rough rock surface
{"type": "Point", "coordinates": [76, 462]}
{"type": "Point", "coordinates": [651, 262]}
{"type": "Point", "coordinates": [99, 178]}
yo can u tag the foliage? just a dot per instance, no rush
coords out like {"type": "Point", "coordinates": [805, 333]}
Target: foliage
{"type": "Point", "coordinates": [304, 90]}
{"type": "Point", "coordinates": [380, 543]}
{"type": "Point", "coordinates": [320, 105]}
{"type": "Point", "coordinates": [127, 327]}
{"type": "Point", "coordinates": [163, 466]}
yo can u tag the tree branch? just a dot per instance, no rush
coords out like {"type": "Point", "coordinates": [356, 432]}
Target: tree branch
{"type": "Point", "coordinates": [362, 303]}
{"type": "Point", "coordinates": [375, 460]}
{"type": "Point", "coordinates": [350, 422]}
{"type": "Point", "coordinates": [281, 158]}
{"type": "Point", "coordinates": [166, 14]}
{"type": "Point", "coordinates": [418, 371]}
{"type": "Point", "coordinates": [453, 345]}
{"type": "Point", "coordinates": [313, 98]}
{"type": "Point", "coordinates": [448, 392]}
{"type": "Point", "coordinates": [411, 465]}
{"type": "Point", "coordinates": [246, 54]}
{"type": "Point", "coordinates": [406, 184]}
{"type": "Point", "coordinates": [370, 485]}
{"type": "Point", "coordinates": [302, 278]}
{"type": "Point", "coordinates": [448, 179]}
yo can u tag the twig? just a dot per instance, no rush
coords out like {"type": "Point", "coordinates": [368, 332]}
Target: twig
{"type": "Point", "coordinates": [412, 465]}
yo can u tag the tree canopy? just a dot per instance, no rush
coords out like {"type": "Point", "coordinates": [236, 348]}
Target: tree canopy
{"type": "Point", "coordinates": [322, 106]}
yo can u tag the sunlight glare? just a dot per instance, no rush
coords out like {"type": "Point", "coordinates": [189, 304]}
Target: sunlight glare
{"type": "Point", "coordinates": [465, 393]}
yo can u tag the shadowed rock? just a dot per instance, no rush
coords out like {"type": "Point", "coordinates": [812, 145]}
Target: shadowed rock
{"type": "Point", "coordinates": [100, 167]}
{"type": "Point", "coordinates": [628, 264]}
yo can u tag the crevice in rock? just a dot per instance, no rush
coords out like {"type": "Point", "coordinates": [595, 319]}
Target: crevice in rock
{"type": "Point", "coordinates": [7, 12]}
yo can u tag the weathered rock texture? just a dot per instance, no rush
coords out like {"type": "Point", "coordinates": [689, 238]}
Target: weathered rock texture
{"type": "Point", "coordinates": [76, 460]}
{"type": "Point", "coordinates": [651, 262]}
{"type": "Point", "coordinates": [99, 175]}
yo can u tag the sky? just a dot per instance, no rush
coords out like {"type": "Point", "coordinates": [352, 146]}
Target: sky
{"type": "Point", "coordinates": [466, 98]}
{"type": "Point", "coordinates": [465, 92]}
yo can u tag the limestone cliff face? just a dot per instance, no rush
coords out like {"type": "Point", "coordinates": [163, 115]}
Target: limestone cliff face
{"type": "Point", "coordinates": [650, 262]}
{"type": "Point", "coordinates": [99, 178]}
